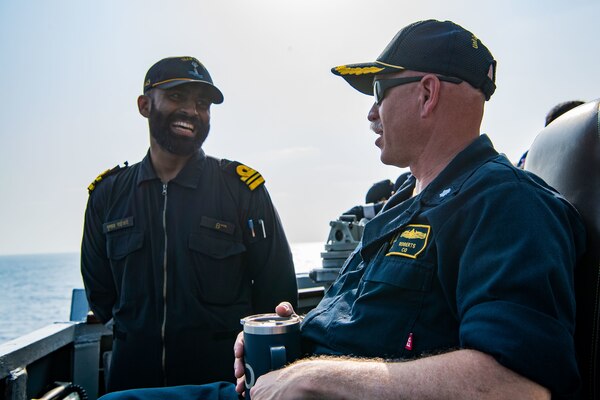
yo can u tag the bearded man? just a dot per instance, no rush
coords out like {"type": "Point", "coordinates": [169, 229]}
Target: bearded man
{"type": "Point", "coordinates": [180, 246]}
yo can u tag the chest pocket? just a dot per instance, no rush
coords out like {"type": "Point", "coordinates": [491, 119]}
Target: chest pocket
{"type": "Point", "coordinates": [121, 244]}
{"type": "Point", "coordinates": [217, 267]}
{"type": "Point", "coordinates": [401, 273]}
{"type": "Point", "coordinates": [398, 287]}
{"type": "Point", "coordinates": [126, 264]}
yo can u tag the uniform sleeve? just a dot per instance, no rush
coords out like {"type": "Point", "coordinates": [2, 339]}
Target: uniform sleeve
{"type": "Point", "coordinates": [515, 286]}
{"type": "Point", "coordinates": [269, 256]}
{"type": "Point", "coordinates": [95, 266]}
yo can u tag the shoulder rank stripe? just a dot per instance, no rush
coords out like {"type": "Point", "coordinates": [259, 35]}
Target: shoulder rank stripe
{"type": "Point", "coordinates": [103, 175]}
{"type": "Point", "coordinates": [249, 176]}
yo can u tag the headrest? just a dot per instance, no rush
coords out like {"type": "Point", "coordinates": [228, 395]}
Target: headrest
{"type": "Point", "coordinates": [566, 154]}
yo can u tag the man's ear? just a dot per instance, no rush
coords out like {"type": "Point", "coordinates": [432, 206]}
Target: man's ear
{"type": "Point", "coordinates": [144, 103]}
{"type": "Point", "coordinates": [430, 94]}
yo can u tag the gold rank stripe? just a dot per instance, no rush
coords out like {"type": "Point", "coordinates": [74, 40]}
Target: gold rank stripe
{"type": "Point", "coordinates": [254, 181]}
{"type": "Point", "coordinates": [249, 176]}
{"type": "Point", "coordinates": [92, 185]}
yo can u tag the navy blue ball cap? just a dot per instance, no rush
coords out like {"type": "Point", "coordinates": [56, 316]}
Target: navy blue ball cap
{"type": "Point", "coordinates": [439, 47]}
{"type": "Point", "coordinates": [173, 71]}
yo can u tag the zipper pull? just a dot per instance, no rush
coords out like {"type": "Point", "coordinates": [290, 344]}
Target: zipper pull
{"type": "Point", "coordinates": [164, 191]}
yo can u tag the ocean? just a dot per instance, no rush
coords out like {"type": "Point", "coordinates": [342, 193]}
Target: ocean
{"type": "Point", "coordinates": [36, 289]}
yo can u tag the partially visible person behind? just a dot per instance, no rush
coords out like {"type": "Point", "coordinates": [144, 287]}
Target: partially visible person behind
{"type": "Point", "coordinates": [554, 113]}
{"type": "Point", "coordinates": [462, 286]}
{"type": "Point", "coordinates": [560, 109]}
{"type": "Point", "coordinates": [376, 197]}
{"type": "Point", "coordinates": [180, 246]}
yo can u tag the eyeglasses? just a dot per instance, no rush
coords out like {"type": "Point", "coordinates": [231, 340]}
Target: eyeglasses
{"type": "Point", "coordinates": [381, 85]}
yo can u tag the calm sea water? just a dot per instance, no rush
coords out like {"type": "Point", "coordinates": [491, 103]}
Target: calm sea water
{"type": "Point", "coordinates": [35, 290]}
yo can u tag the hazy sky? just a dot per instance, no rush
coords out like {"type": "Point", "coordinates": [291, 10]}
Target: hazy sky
{"type": "Point", "coordinates": [71, 72]}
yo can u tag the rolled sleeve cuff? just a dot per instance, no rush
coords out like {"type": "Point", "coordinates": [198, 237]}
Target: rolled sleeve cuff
{"type": "Point", "coordinates": [526, 341]}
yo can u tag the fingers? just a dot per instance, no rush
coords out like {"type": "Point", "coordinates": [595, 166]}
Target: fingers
{"type": "Point", "coordinates": [238, 368]}
{"type": "Point", "coordinates": [240, 386]}
{"type": "Point", "coordinates": [238, 346]}
{"type": "Point", "coordinates": [284, 309]}
{"type": "Point", "coordinates": [238, 364]}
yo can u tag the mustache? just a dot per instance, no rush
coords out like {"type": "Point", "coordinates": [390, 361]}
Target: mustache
{"type": "Point", "coordinates": [376, 127]}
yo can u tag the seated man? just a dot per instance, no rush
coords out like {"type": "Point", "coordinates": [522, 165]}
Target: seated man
{"type": "Point", "coordinates": [462, 286]}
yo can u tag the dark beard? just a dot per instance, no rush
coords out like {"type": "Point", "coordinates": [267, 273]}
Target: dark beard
{"type": "Point", "coordinates": [160, 129]}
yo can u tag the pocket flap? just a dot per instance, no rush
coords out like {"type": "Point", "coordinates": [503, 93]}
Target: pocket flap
{"type": "Point", "coordinates": [121, 244]}
{"type": "Point", "coordinates": [395, 271]}
{"type": "Point", "coordinates": [215, 247]}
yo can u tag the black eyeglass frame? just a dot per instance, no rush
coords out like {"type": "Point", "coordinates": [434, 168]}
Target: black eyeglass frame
{"type": "Point", "coordinates": [381, 85]}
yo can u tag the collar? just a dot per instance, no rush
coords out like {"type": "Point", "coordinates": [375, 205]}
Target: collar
{"type": "Point", "coordinates": [189, 176]}
{"type": "Point", "coordinates": [451, 179]}
{"type": "Point", "coordinates": [401, 207]}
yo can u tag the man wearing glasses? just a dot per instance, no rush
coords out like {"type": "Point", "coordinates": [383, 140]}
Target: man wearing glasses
{"type": "Point", "coordinates": [467, 273]}
{"type": "Point", "coordinates": [462, 286]}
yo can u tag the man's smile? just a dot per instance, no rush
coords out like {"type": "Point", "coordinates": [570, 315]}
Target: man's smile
{"type": "Point", "coordinates": [183, 128]}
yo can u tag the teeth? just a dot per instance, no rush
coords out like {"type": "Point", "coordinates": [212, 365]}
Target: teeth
{"type": "Point", "coordinates": [185, 125]}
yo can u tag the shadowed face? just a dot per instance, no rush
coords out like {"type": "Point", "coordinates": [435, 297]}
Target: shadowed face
{"type": "Point", "coordinates": [179, 118]}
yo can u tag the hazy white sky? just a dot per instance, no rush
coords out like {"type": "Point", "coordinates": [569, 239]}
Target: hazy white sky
{"type": "Point", "coordinates": [71, 72]}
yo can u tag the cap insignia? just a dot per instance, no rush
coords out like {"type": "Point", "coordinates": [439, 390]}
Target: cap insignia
{"type": "Point", "coordinates": [196, 73]}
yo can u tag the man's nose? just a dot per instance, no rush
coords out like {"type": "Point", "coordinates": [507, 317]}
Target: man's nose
{"type": "Point", "coordinates": [189, 107]}
{"type": "Point", "coordinates": [373, 114]}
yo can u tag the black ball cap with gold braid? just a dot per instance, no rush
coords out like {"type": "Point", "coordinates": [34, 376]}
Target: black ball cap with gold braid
{"type": "Point", "coordinates": [439, 47]}
{"type": "Point", "coordinates": [173, 71]}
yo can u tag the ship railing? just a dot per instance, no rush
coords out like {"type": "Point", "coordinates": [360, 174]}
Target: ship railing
{"type": "Point", "coordinates": [61, 352]}
{"type": "Point", "coordinates": [74, 351]}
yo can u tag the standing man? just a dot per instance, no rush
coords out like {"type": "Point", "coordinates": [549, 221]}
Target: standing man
{"type": "Point", "coordinates": [177, 248]}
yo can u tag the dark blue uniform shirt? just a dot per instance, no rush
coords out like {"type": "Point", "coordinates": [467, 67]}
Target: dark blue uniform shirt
{"type": "Point", "coordinates": [482, 259]}
{"type": "Point", "coordinates": [177, 265]}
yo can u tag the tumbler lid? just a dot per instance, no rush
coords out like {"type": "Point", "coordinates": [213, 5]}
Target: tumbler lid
{"type": "Point", "coordinates": [270, 324]}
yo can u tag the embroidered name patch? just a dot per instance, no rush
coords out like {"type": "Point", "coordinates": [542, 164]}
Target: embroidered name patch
{"type": "Point", "coordinates": [118, 224]}
{"type": "Point", "coordinates": [222, 226]}
{"type": "Point", "coordinates": [410, 242]}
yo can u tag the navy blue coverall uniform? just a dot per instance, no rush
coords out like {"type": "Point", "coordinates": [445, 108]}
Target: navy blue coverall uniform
{"type": "Point", "coordinates": [177, 265]}
{"type": "Point", "coordinates": [483, 258]}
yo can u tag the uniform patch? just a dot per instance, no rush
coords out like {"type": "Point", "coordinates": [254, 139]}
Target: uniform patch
{"type": "Point", "coordinates": [410, 242]}
{"type": "Point", "coordinates": [249, 176]}
{"type": "Point", "coordinates": [103, 175]}
{"type": "Point", "coordinates": [118, 224]}
{"type": "Point", "coordinates": [222, 226]}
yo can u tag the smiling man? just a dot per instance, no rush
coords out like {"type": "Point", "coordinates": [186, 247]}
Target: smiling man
{"type": "Point", "coordinates": [177, 248]}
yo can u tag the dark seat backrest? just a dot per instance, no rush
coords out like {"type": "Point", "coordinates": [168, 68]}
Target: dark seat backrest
{"type": "Point", "coordinates": [566, 154]}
